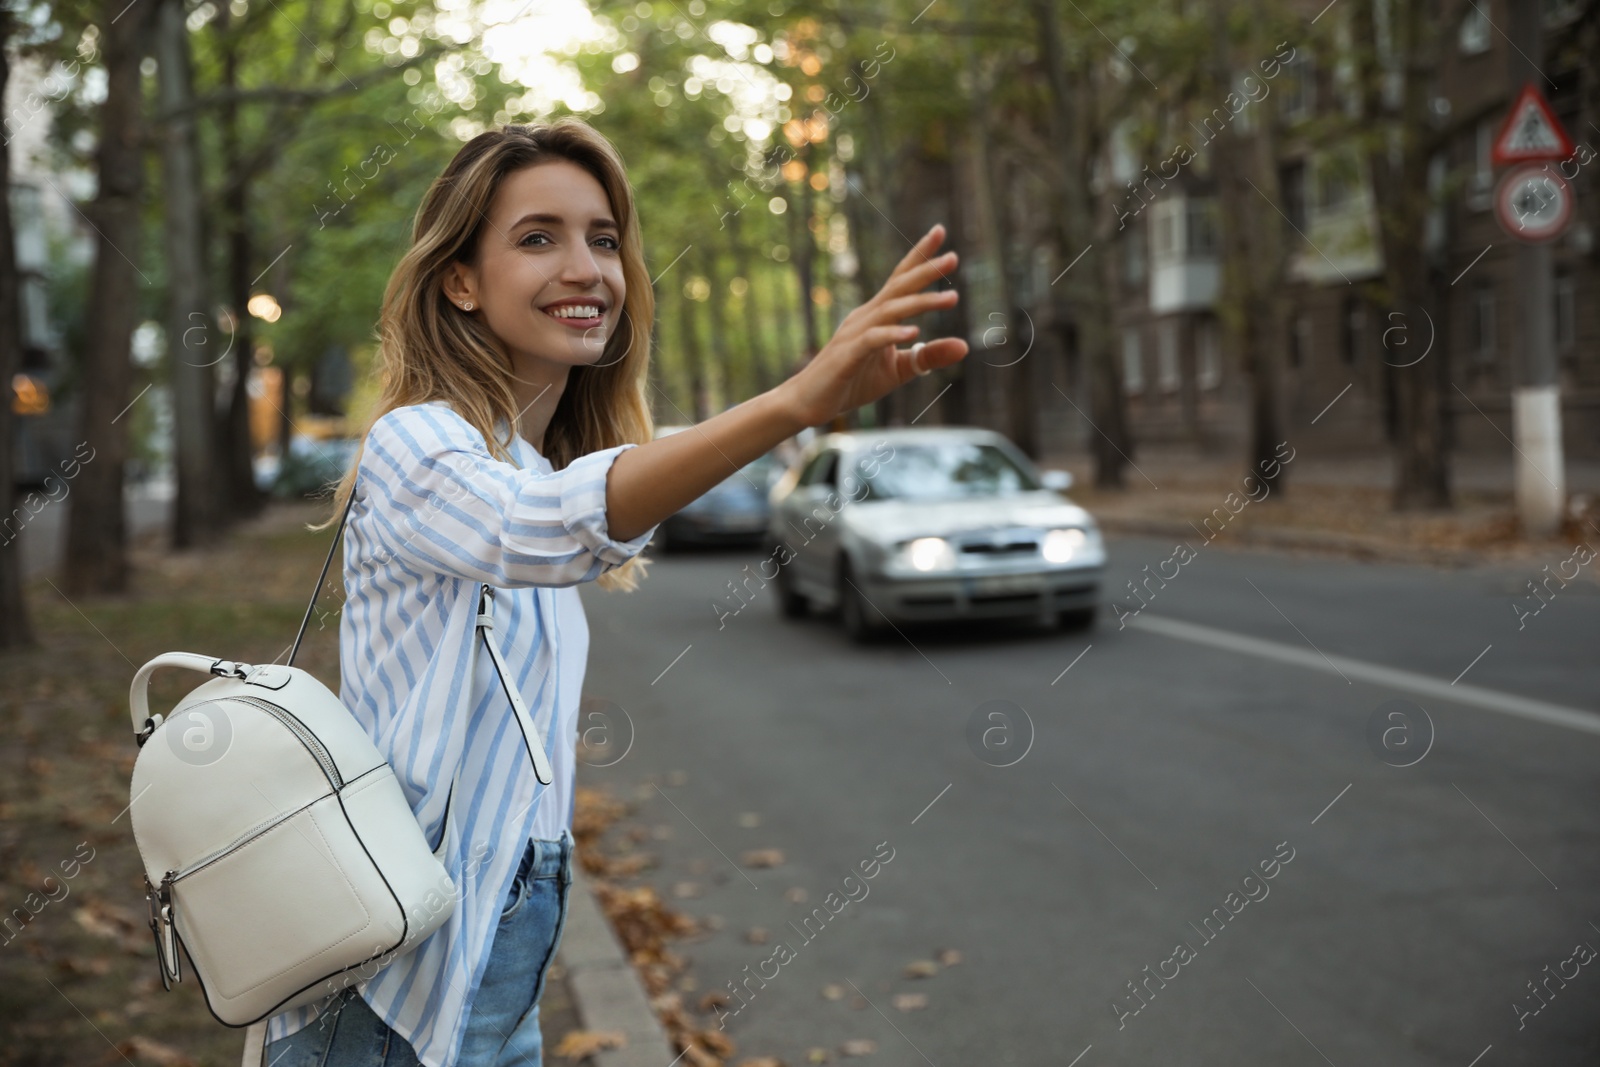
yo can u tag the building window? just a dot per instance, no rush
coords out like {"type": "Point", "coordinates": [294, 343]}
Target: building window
{"type": "Point", "coordinates": [1207, 355]}
{"type": "Point", "coordinates": [1165, 239]}
{"type": "Point", "coordinates": [1473, 36]}
{"type": "Point", "coordinates": [1566, 311]}
{"type": "Point", "coordinates": [1298, 89]}
{"type": "Point", "coordinates": [1168, 376]}
{"type": "Point", "coordinates": [1355, 325]}
{"type": "Point", "coordinates": [1481, 186]}
{"type": "Point", "coordinates": [1481, 335]}
{"type": "Point", "coordinates": [1333, 183]}
{"type": "Point", "coordinates": [1133, 266]}
{"type": "Point", "coordinates": [1201, 216]}
{"type": "Point", "coordinates": [1132, 364]}
{"type": "Point", "coordinates": [1293, 180]}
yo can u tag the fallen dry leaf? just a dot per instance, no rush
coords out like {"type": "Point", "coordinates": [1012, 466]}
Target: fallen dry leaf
{"type": "Point", "coordinates": [818, 1055]}
{"type": "Point", "coordinates": [580, 1043]}
{"type": "Point", "coordinates": [98, 965]}
{"type": "Point", "coordinates": [796, 895]}
{"type": "Point", "coordinates": [717, 1041]}
{"type": "Point", "coordinates": [911, 1001]}
{"type": "Point", "coordinates": [756, 935]}
{"type": "Point", "coordinates": [139, 1048]}
{"type": "Point", "coordinates": [833, 991]}
{"type": "Point", "coordinates": [858, 1046]}
{"type": "Point", "coordinates": [686, 889]}
{"type": "Point", "coordinates": [920, 969]}
{"type": "Point", "coordinates": [749, 820]}
{"type": "Point", "coordinates": [113, 923]}
{"type": "Point", "coordinates": [949, 957]}
{"type": "Point", "coordinates": [762, 857]}
{"type": "Point", "coordinates": [761, 1061]}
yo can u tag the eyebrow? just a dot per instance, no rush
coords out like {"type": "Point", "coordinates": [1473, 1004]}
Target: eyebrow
{"type": "Point", "coordinates": [600, 221]}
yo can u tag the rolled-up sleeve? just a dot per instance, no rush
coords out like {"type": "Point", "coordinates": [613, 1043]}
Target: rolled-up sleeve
{"type": "Point", "coordinates": [442, 503]}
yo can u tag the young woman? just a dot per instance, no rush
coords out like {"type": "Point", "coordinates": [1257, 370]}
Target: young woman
{"type": "Point", "coordinates": [512, 446]}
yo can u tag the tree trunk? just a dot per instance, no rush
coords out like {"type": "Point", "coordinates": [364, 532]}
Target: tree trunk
{"type": "Point", "coordinates": [193, 346]}
{"type": "Point", "coordinates": [14, 629]}
{"type": "Point", "coordinates": [1400, 188]}
{"type": "Point", "coordinates": [243, 498]}
{"type": "Point", "coordinates": [802, 251]}
{"type": "Point", "coordinates": [97, 552]}
{"type": "Point", "coordinates": [1253, 252]}
{"type": "Point", "coordinates": [285, 411]}
{"type": "Point", "coordinates": [791, 357]}
{"type": "Point", "coordinates": [870, 237]}
{"type": "Point", "coordinates": [693, 361]}
{"type": "Point", "coordinates": [1088, 283]}
{"type": "Point", "coordinates": [756, 348]}
{"type": "Point", "coordinates": [725, 390]}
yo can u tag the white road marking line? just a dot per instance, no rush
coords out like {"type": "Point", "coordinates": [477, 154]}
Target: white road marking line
{"type": "Point", "coordinates": [1406, 681]}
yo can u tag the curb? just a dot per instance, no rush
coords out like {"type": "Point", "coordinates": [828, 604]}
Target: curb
{"type": "Point", "coordinates": [606, 991]}
{"type": "Point", "coordinates": [1352, 546]}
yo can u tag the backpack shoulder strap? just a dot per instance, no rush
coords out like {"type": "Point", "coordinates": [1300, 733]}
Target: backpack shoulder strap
{"type": "Point", "coordinates": [311, 606]}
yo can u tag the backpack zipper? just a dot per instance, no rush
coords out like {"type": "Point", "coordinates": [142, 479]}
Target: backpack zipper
{"type": "Point", "coordinates": [300, 730]}
{"type": "Point", "coordinates": [310, 740]}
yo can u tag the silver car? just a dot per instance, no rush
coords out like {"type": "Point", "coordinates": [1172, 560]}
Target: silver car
{"type": "Point", "coordinates": [910, 524]}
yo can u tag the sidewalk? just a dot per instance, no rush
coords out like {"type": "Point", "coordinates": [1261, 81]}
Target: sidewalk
{"type": "Point", "coordinates": [1337, 506]}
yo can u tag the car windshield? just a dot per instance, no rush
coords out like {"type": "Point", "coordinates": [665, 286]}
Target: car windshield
{"type": "Point", "coordinates": [941, 471]}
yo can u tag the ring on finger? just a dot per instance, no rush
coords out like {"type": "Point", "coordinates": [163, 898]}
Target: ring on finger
{"type": "Point", "coordinates": [916, 350]}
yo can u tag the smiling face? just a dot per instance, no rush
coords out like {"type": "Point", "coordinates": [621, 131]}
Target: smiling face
{"type": "Point", "coordinates": [547, 277]}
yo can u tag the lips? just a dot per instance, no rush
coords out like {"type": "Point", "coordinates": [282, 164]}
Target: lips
{"type": "Point", "coordinates": [579, 314]}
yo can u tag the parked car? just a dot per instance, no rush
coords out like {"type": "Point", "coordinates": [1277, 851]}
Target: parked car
{"type": "Point", "coordinates": [910, 524]}
{"type": "Point", "coordinates": [732, 512]}
{"type": "Point", "coordinates": [313, 464]}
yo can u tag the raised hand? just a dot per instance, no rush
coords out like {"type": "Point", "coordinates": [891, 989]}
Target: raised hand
{"type": "Point", "coordinates": [861, 362]}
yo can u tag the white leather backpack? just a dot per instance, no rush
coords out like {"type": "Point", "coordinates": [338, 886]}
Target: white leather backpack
{"type": "Point", "coordinates": [279, 850]}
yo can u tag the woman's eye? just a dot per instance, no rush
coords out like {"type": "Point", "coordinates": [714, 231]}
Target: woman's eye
{"type": "Point", "coordinates": [614, 246]}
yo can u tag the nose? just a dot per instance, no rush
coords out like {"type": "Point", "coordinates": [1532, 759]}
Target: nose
{"type": "Point", "coordinates": [579, 267]}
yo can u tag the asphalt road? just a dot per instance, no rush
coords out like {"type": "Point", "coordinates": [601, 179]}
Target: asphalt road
{"type": "Point", "coordinates": [1151, 769]}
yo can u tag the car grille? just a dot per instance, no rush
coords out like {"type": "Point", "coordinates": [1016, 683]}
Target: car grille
{"type": "Point", "coordinates": [1006, 545]}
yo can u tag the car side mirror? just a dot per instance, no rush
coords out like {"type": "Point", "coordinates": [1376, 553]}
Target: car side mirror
{"type": "Point", "coordinates": [1059, 481]}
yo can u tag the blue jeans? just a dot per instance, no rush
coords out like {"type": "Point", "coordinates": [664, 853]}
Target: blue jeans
{"type": "Point", "coordinates": [503, 1029]}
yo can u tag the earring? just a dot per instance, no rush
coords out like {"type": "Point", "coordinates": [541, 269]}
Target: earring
{"type": "Point", "coordinates": [467, 306]}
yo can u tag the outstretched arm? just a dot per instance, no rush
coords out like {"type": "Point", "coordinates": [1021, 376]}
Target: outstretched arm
{"type": "Point", "coordinates": [857, 366]}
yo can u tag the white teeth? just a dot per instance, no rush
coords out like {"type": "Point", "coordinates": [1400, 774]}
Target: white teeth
{"type": "Point", "coordinates": [573, 311]}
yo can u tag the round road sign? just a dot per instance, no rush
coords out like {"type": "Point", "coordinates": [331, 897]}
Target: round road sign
{"type": "Point", "coordinates": [1534, 204]}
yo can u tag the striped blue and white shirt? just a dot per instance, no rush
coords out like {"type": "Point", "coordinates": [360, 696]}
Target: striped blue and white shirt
{"type": "Point", "coordinates": [435, 515]}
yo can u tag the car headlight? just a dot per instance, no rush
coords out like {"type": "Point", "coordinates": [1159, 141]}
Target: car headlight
{"type": "Point", "coordinates": [1060, 546]}
{"type": "Point", "coordinates": [927, 554]}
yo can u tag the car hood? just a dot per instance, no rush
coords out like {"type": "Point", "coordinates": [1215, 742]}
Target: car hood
{"type": "Point", "coordinates": [888, 521]}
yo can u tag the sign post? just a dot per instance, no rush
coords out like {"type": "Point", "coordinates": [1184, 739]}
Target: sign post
{"type": "Point", "coordinates": [1534, 206]}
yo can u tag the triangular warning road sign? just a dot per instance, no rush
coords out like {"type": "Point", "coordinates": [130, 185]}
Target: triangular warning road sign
{"type": "Point", "coordinates": [1531, 132]}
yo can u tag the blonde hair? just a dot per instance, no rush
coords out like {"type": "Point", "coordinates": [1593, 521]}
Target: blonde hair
{"type": "Point", "coordinates": [429, 350]}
